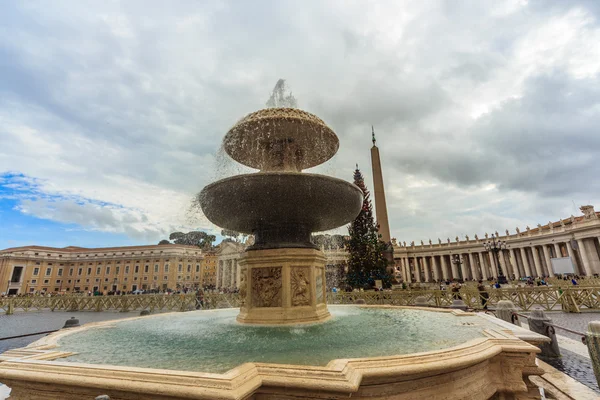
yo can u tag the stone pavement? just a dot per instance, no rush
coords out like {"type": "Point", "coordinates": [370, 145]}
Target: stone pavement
{"type": "Point", "coordinates": [575, 360]}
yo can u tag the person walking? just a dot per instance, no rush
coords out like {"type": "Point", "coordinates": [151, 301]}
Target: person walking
{"type": "Point", "coordinates": [483, 294]}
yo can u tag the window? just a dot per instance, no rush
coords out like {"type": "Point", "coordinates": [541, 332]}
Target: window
{"type": "Point", "coordinates": [89, 271]}
{"type": "Point", "coordinates": [70, 271]}
{"type": "Point", "coordinates": [137, 269]}
{"type": "Point", "coordinates": [166, 267]}
{"type": "Point", "coordinates": [125, 279]}
{"type": "Point", "coordinates": [79, 271]}
{"type": "Point", "coordinates": [98, 271]}
{"type": "Point", "coordinates": [146, 269]}
{"type": "Point", "coordinates": [155, 268]}
{"type": "Point", "coordinates": [145, 278]}
{"type": "Point", "coordinates": [197, 267]}
{"type": "Point", "coordinates": [60, 272]}
{"type": "Point", "coordinates": [155, 278]}
{"type": "Point", "coordinates": [165, 278]}
{"type": "Point", "coordinates": [48, 271]}
{"type": "Point", "coordinates": [36, 271]}
{"type": "Point", "coordinates": [58, 281]}
{"type": "Point", "coordinates": [33, 281]}
{"type": "Point", "coordinates": [189, 268]}
{"type": "Point", "coordinates": [46, 281]}
{"type": "Point", "coordinates": [127, 269]}
{"type": "Point", "coordinates": [180, 267]}
{"type": "Point", "coordinates": [107, 270]}
{"type": "Point", "coordinates": [117, 270]}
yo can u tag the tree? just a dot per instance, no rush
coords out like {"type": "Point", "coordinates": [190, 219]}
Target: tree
{"type": "Point", "coordinates": [366, 262]}
{"type": "Point", "coordinates": [164, 241]}
{"type": "Point", "coordinates": [194, 238]}
{"type": "Point", "coordinates": [231, 236]}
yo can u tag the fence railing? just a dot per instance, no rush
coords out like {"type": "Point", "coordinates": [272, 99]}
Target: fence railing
{"type": "Point", "coordinates": [572, 299]}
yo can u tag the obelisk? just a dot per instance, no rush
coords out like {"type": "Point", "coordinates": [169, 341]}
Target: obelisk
{"type": "Point", "coordinates": [380, 206]}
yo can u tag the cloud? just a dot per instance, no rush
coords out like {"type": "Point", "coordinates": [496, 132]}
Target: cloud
{"type": "Point", "coordinates": [484, 115]}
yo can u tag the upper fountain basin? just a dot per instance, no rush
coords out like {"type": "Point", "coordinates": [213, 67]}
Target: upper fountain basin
{"type": "Point", "coordinates": [275, 200]}
{"type": "Point", "coordinates": [281, 139]}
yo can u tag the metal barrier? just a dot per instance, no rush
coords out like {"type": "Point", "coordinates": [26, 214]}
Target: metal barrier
{"type": "Point", "coordinates": [570, 299]}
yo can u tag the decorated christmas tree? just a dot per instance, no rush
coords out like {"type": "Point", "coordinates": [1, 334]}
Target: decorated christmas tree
{"type": "Point", "coordinates": [366, 262]}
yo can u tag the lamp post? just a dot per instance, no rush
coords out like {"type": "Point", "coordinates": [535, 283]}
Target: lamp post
{"type": "Point", "coordinates": [7, 287]}
{"type": "Point", "coordinates": [496, 246]}
{"type": "Point", "coordinates": [458, 261]}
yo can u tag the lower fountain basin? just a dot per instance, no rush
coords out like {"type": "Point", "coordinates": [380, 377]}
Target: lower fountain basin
{"type": "Point", "coordinates": [281, 209]}
{"type": "Point", "coordinates": [372, 352]}
{"type": "Point", "coordinates": [214, 342]}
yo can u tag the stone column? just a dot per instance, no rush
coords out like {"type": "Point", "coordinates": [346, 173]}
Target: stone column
{"type": "Point", "coordinates": [557, 251]}
{"type": "Point", "coordinates": [547, 258]}
{"type": "Point", "coordinates": [525, 259]}
{"type": "Point", "coordinates": [503, 264]}
{"type": "Point", "coordinates": [473, 266]}
{"type": "Point", "coordinates": [584, 257]}
{"type": "Point", "coordinates": [514, 263]}
{"type": "Point", "coordinates": [463, 268]}
{"type": "Point", "coordinates": [417, 270]}
{"type": "Point", "coordinates": [454, 268]}
{"type": "Point", "coordinates": [573, 259]}
{"type": "Point", "coordinates": [426, 268]}
{"type": "Point", "coordinates": [536, 261]}
{"type": "Point", "coordinates": [436, 266]}
{"type": "Point", "coordinates": [407, 274]}
{"type": "Point", "coordinates": [444, 267]}
{"type": "Point", "coordinates": [483, 265]}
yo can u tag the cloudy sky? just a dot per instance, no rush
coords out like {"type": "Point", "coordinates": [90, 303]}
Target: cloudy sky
{"type": "Point", "coordinates": [112, 112]}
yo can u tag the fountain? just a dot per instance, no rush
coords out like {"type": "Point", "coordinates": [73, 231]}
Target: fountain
{"type": "Point", "coordinates": [282, 277]}
{"type": "Point", "coordinates": [268, 350]}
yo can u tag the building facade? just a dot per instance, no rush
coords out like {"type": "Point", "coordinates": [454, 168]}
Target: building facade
{"type": "Point", "coordinates": [528, 253]}
{"type": "Point", "coordinates": [32, 269]}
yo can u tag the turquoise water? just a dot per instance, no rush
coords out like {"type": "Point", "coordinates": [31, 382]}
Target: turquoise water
{"type": "Point", "coordinates": [214, 342]}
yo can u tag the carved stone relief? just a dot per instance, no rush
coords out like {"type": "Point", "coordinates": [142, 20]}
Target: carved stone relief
{"type": "Point", "coordinates": [266, 287]}
{"type": "Point", "coordinates": [300, 282]}
{"type": "Point", "coordinates": [319, 284]}
{"type": "Point", "coordinates": [243, 287]}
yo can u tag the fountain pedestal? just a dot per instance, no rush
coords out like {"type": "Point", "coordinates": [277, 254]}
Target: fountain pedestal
{"type": "Point", "coordinates": [283, 286]}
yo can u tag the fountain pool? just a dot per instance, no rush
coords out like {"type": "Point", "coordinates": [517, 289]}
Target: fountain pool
{"type": "Point", "coordinates": [214, 342]}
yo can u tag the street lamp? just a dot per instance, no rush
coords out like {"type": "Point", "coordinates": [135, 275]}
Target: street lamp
{"type": "Point", "coordinates": [496, 246]}
{"type": "Point", "coordinates": [458, 261]}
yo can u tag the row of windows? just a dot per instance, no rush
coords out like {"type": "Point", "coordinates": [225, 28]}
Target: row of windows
{"type": "Point", "coordinates": [154, 278]}
{"type": "Point", "coordinates": [36, 270]}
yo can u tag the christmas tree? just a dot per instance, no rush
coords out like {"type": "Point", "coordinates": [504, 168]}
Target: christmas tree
{"type": "Point", "coordinates": [366, 263]}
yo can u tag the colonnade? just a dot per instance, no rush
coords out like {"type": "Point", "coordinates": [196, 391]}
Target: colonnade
{"type": "Point", "coordinates": [228, 274]}
{"type": "Point", "coordinates": [441, 263]}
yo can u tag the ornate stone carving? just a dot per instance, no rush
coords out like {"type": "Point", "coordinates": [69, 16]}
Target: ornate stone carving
{"type": "Point", "coordinates": [507, 232]}
{"type": "Point", "coordinates": [562, 223]}
{"type": "Point", "coordinates": [440, 240]}
{"type": "Point", "coordinates": [467, 237]}
{"type": "Point", "coordinates": [476, 237]}
{"type": "Point", "coordinates": [394, 242]}
{"type": "Point", "coordinates": [486, 235]}
{"type": "Point", "coordinates": [457, 239]}
{"type": "Point", "coordinates": [448, 240]}
{"type": "Point", "coordinates": [404, 243]}
{"type": "Point", "coordinates": [319, 285]}
{"type": "Point", "coordinates": [243, 287]}
{"type": "Point", "coordinates": [422, 244]}
{"type": "Point", "coordinates": [266, 287]}
{"type": "Point", "coordinates": [300, 283]}
{"type": "Point", "coordinates": [518, 230]}
{"type": "Point", "coordinates": [430, 242]}
{"type": "Point", "coordinates": [588, 212]}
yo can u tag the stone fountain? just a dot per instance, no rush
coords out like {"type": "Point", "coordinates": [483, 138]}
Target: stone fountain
{"type": "Point", "coordinates": [282, 278]}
